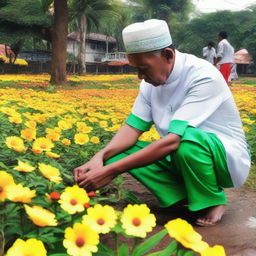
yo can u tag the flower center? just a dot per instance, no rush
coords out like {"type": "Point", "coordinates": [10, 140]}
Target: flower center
{"type": "Point", "coordinates": [13, 143]}
{"type": "Point", "coordinates": [73, 202]}
{"type": "Point", "coordinates": [136, 222]}
{"type": "Point", "coordinates": [80, 242]}
{"type": "Point", "coordinates": [100, 221]}
{"type": "Point", "coordinates": [1, 189]}
{"type": "Point", "coordinates": [43, 146]}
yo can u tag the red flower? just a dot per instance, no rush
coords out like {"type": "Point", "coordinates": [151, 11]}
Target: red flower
{"type": "Point", "coordinates": [86, 205]}
{"type": "Point", "coordinates": [55, 195]}
{"type": "Point", "coordinates": [92, 193]}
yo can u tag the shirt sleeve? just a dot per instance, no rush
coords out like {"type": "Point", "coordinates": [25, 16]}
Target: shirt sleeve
{"type": "Point", "coordinates": [201, 101]}
{"type": "Point", "coordinates": [141, 116]}
{"type": "Point", "coordinates": [220, 51]}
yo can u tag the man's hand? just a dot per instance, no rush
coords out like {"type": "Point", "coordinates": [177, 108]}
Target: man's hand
{"type": "Point", "coordinates": [95, 179]}
{"type": "Point", "coordinates": [95, 163]}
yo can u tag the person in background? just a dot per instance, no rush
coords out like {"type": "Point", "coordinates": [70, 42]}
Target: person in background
{"type": "Point", "coordinates": [209, 52]}
{"type": "Point", "coordinates": [225, 55]}
{"type": "Point", "coordinates": [202, 149]}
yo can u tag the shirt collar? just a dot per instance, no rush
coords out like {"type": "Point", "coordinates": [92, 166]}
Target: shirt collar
{"type": "Point", "coordinates": [177, 68]}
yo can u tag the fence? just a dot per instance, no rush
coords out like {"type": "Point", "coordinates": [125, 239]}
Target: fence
{"type": "Point", "coordinates": [40, 67]}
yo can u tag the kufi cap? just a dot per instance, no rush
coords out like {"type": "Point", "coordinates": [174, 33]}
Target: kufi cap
{"type": "Point", "coordinates": [146, 36]}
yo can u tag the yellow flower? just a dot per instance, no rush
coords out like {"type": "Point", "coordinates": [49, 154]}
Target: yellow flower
{"type": "Point", "coordinates": [24, 167]}
{"type": "Point", "coordinates": [31, 247]}
{"type": "Point", "coordinates": [50, 172]}
{"type": "Point", "coordinates": [216, 250]}
{"type": "Point", "coordinates": [95, 139]}
{"type": "Point", "coordinates": [82, 127]}
{"type": "Point", "coordinates": [53, 134]}
{"type": "Point", "coordinates": [64, 125]}
{"type": "Point", "coordinates": [81, 138]}
{"type": "Point", "coordinates": [15, 143]}
{"type": "Point", "coordinates": [52, 155]}
{"type": "Point", "coordinates": [100, 218]}
{"type": "Point", "coordinates": [81, 240]}
{"type": "Point", "coordinates": [28, 134]}
{"type": "Point", "coordinates": [42, 144]}
{"type": "Point", "coordinates": [6, 180]}
{"type": "Point", "coordinates": [30, 124]}
{"type": "Point", "coordinates": [103, 124]}
{"type": "Point", "coordinates": [72, 200]}
{"type": "Point", "coordinates": [137, 220]}
{"type": "Point", "coordinates": [18, 193]}
{"type": "Point", "coordinates": [15, 119]}
{"type": "Point", "coordinates": [66, 142]}
{"type": "Point", "coordinates": [40, 216]}
{"type": "Point", "coordinates": [184, 233]}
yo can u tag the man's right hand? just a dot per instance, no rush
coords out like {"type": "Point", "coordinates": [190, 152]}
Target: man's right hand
{"type": "Point", "coordinates": [94, 163]}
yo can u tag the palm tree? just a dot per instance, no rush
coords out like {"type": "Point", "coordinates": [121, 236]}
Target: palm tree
{"type": "Point", "coordinates": [89, 13]}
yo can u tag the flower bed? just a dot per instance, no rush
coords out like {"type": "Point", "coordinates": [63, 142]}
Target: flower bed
{"type": "Point", "coordinates": [45, 133]}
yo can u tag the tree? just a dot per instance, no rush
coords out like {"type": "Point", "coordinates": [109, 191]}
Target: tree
{"type": "Point", "coordinates": [162, 9]}
{"type": "Point", "coordinates": [89, 13]}
{"type": "Point", "coordinates": [193, 36]}
{"type": "Point", "coordinates": [17, 29]}
{"type": "Point", "coordinates": [59, 43]}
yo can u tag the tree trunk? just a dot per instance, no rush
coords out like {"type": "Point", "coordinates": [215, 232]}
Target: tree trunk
{"type": "Point", "coordinates": [82, 46]}
{"type": "Point", "coordinates": [59, 43]}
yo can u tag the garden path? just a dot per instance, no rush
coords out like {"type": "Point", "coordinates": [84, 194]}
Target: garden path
{"type": "Point", "coordinates": [237, 230]}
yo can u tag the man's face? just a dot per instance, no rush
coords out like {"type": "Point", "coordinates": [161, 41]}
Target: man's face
{"type": "Point", "coordinates": [154, 68]}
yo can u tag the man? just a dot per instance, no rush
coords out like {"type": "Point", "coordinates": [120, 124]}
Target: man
{"type": "Point", "coordinates": [202, 147]}
{"type": "Point", "coordinates": [225, 55]}
{"type": "Point", "coordinates": [209, 52]}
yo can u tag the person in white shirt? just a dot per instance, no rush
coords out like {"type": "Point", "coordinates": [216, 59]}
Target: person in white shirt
{"type": "Point", "coordinates": [209, 52]}
{"type": "Point", "coordinates": [202, 147]}
{"type": "Point", "coordinates": [225, 55]}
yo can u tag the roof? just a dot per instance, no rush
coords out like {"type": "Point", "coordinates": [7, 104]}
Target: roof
{"type": "Point", "coordinates": [243, 57]}
{"type": "Point", "coordinates": [118, 63]}
{"type": "Point", "coordinates": [93, 36]}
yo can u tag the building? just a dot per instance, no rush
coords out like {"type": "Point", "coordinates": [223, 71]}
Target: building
{"type": "Point", "coordinates": [99, 48]}
{"type": "Point", "coordinates": [243, 59]}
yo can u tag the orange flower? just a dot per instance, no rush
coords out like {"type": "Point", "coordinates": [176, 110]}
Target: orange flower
{"type": "Point", "coordinates": [28, 134]}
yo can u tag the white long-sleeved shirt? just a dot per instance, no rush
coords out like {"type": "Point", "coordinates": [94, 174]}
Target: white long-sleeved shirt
{"type": "Point", "coordinates": [209, 54]}
{"type": "Point", "coordinates": [196, 92]}
{"type": "Point", "coordinates": [225, 51]}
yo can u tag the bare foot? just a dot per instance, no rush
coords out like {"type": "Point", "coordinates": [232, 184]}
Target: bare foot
{"type": "Point", "coordinates": [212, 216]}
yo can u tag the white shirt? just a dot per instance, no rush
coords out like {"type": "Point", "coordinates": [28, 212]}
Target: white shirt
{"type": "Point", "coordinates": [209, 54]}
{"type": "Point", "coordinates": [196, 92]}
{"type": "Point", "coordinates": [225, 51]}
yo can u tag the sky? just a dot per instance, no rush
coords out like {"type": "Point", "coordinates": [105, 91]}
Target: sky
{"type": "Point", "coordinates": [206, 6]}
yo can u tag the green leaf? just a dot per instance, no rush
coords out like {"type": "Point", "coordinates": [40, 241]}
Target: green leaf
{"type": "Point", "coordinates": [130, 197]}
{"type": "Point", "coordinates": [58, 254]}
{"type": "Point", "coordinates": [169, 250]}
{"type": "Point", "coordinates": [123, 250]}
{"type": "Point", "coordinates": [149, 243]}
{"type": "Point", "coordinates": [185, 252]}
{"type": "Point", "coordinates": [104, 251]}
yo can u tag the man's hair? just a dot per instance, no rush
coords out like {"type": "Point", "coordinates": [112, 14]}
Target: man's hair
{"type": "Point", "coordinates": [223, 34]}
{"type": "Point", "coordinates": [211, 43]}
{"type": "Point", "coordinates": [160, 51]}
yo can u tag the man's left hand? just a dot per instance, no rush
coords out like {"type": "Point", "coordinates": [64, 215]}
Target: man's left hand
{"type": "Point", "coordinates": [95, 179]}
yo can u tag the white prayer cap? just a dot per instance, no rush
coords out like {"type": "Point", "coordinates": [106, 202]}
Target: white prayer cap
{"type": "Point", "coordinates": [146, 36]}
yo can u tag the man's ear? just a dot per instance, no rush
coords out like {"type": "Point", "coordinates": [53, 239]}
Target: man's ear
{"type": "Point", "coordinates": [168, 53]}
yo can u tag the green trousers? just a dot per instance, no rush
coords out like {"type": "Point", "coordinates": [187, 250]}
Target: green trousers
{"type": "Point", "coordinates": [197, 171]}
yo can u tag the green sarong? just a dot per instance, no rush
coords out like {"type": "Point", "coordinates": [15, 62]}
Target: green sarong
{"type": "Point", "coordinates": [197, 171]}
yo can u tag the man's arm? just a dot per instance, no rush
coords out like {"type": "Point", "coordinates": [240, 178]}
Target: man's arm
{"type": "Point", "coordinates": [123, 139]}
{"type": "Point", "coordinates": [155, 151]}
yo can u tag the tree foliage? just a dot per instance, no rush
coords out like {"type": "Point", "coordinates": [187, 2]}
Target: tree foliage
{"type": "Point", "coordinates": [20, 20]}
{"type": "Point", "coordinates": [241, 27]}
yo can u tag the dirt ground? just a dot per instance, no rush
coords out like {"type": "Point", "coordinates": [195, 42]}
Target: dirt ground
{"type": "Point", "coordinates": [236, 232]}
